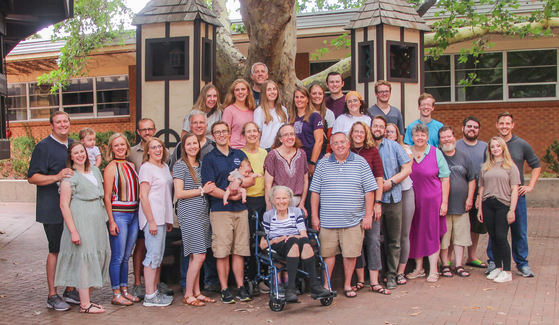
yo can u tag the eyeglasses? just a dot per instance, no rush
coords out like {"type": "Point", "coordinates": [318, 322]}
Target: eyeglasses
{"type": "Point", "coordinates": [473, 127]}
{"type": "Point", "coordinates": [383, 92]}
{"type": "Point", "coordinates": [146, 130]}
{"type": "Point", "coordinates": [359, 132]}
{"type": "Point", "coordinates": [353, 101]}
{"type": "Point", "coordinates": [339, 143]}
{"type": "Point", "coordinates": [156, 147]}
{"type": "Point", "coordinates": [223, 132]}
{"type": "Point", "coordinates": [390, 132]}
{"type": "Point", "coordinates": [378, 126]}
{"type": "Point", "coordinates": [285, 135]}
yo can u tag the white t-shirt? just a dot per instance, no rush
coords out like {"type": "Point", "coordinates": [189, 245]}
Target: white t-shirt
{"type": "Point", "coordinates": [344, 122]}
{"type": "Point", "coordinates": [330, 118]}
{"type": "Point", "coordinates": [407, 183]}
{"type": "Point", "coordinates": [160, 194]}
{"type": "Point", "coordinates": [270, 130]}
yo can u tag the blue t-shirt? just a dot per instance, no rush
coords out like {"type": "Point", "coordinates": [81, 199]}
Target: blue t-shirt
{"type": "Point", "coordinates": [434, 126]}
{"type": "Point", "coordinates": [216, 168]}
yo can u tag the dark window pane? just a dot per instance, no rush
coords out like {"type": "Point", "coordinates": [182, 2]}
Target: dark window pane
{"type": "Point", "coordinates": [439, 78]}
{"type": "Point", "coordinates": [42, 112]}
{"type": "Point", "coordinates": [443, 63]}
{"type": "Point", "coordinates": [532, 58]}
{"type": "Point", "coordinates": [486, 77]}
{"type": "Point", "coordinates": [168, 58]}
{"type": "Point", "coordinates": [17, 102]}
{"type": "Point", "coordinates": [113, 109]}
{"type": "Point", "coordinates": [477, 93]}
{"type": "Point", "coordinates": [79, 110]}
{"type": "Point", "coordinates": [17, 114]}
{"type": "Point", "coordinates": [533, 91]}
{"type": "Point", "coordinates": [113, 82]}
{"type": "Point", "coordinates": [83, 84]}
{"type": "Point", "coordinates": [486, 60]}
{"type": "Point", "coordinates": [112, 96]}
{"type": "Point", "coordinates": [401, 61]}
{"type": "Point", "coordinates": [16, 90]}
{"type": "Point", "coordinates": [441, 94]}
{"type": "Point", "coordinates": [532, 74]}
{"type": "Point", "coordinates": [40, 96]}
{"type": "Point", "coordinates": [77, 98]}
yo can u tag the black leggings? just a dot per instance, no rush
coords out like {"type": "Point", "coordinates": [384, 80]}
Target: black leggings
{"type": "Point", "coordinates": [292, 263]}
{"type": "Point", "coordinates": [282, 248]}
{"type": "Point", "coordinates": [495, 219]}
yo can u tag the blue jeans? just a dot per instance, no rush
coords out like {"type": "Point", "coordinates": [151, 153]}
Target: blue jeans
{"type": "Point", "coordinates": [210, 269]}
{"type": "Point", "coordinates": [519, 234]}
{"type": "Point", "coordinates": [121, 247]}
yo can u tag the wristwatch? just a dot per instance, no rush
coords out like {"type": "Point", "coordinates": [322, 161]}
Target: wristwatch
{"type": "Point", "coordinates": [393, 183]}
{"type": "Point", "coordinates": [378, 201]}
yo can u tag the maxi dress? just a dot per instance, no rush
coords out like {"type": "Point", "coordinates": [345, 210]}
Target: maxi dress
{"type": "Point", "coordinates": [85, 265]}
{"type": "Point", "coordinates": [427, 227]}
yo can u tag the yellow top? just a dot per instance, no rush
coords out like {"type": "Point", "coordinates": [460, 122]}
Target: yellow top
{"type": "Point", "coordinates": [257, 162]}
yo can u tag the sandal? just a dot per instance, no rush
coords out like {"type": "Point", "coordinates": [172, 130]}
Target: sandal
{"type": "Point", "coordinates": [125, 294]}
{"type": "Point", "coordinates": [416, 274]}
{"type": "Point", "coordinates": [477, 263]}
{"type": "Point", "coordinates": [461, 272]}
{"type": "Point", "coordinates": [204, 298]}
{"type": "Point", "coordinates": [124, 302]}
{"type": "Point", "coordinates": [445, 271]}
{"type": "Point", "coordinates": [98, 309]}
{"type": "Point", "coordinates": [195, 302]}
{"type": "Point", "coordinates": [378, 288]}
{"type": "Point", "coordinates": [401, 279]}
{"type": "Point", "coordinates": [358, 286]}
{"type": "Point", "coordinates": [348, 293]}
{"type": "Point", "coordinates": [432, 278]}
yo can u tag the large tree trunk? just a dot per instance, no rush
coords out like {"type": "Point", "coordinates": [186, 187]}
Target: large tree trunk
{"type": "Point", "coordinates": [272, 29]}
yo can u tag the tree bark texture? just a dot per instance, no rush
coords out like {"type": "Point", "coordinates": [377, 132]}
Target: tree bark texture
{"type": "Point", "coordinates": [272, 29]}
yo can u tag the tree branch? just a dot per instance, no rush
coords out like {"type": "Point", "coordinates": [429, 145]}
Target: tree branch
{"type": "Point", "coordinates": [425, 6]}
{"type": "Point", "coordinates": [343, 67]}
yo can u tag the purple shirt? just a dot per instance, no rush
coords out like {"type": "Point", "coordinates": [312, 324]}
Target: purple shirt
{"type": "Point", "coordinates": [305, 131]}
{"type": "Point", "coordinates": [335, 105]}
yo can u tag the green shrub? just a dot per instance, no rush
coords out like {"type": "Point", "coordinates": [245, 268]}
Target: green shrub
{"type": "Point", "coordinates": [552, 159]}
{"type": "Point", "coordinates": [21, 150]}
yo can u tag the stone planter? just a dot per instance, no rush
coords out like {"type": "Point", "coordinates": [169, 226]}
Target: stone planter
{"type": "Point", "coordinates": [17, 190]}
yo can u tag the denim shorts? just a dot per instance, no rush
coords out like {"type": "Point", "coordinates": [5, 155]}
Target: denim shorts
{"type": "Point", "coordinates": [155, 246]}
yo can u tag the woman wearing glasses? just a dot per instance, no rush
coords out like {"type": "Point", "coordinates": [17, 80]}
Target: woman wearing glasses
{"type": "Point", "coordinates": [156, 215]}
{"type": "Point", "coordinates": [355, 110]}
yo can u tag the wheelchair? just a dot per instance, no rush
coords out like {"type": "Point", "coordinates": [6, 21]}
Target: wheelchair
{"type": "Point", "coordinates": [277, 264]}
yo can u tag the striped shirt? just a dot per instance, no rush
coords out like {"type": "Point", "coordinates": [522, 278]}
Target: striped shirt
{"type": "Point", "coordinates": [125, 189]}
{"type": "Point", "coordinates": [393, 156]}
{"type": "Point", "coordinates": [292, 225]}
{"type": "Point", "coordinates": [342, 187]}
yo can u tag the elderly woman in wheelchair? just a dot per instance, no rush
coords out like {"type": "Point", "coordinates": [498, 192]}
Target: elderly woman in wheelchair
{"type": "Point", "coordinates": [287, 235]}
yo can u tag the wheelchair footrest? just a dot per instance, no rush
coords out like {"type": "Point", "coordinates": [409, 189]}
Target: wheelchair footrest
{"type": "Point", "coordinates": [333, 294]}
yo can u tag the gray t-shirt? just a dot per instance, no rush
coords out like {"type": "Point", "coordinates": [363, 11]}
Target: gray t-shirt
{"type": "Point", "coordinates": [461, 173]}
{"type": "Point", "coordinates": [394, 116]}
{"type": "Point", "coordinates": [476, 153]}
{"type": "Point", "coordinates": [520, 150]}
{"type": "Point", "coordinates": [498, 182]}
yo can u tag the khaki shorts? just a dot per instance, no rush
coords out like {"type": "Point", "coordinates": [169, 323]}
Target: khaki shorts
{"type": "Point", "coordinates": [350, 240]}
{"type": "Point", "coordinates": [230, 233]}
{"type": "Point", "coordinates": [458, 228]}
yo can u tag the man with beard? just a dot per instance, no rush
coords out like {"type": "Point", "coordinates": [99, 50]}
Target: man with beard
{"type": "Point", "coordinates": [383, 90]}
{"type": "Point", "coordinates": [460, 200]}
{"type": "Point", "coordinates": [396, 166]}
{"type": "Point", "coordinates": [520, 151]}
{"type": "Point", "coordinates": [258, 74]}
{"type": "Point", "coordinates": [426, 107]}
{"type": "Point", "coordinates": [476, 150]}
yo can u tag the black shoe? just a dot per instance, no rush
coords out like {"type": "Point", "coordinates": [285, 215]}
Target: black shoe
{"type": "Point", "coordinates": [227, 296]}
{"type": "Point", "coordinates": [242, 294]}
{"type": "Point", "coordinates": [318, 290]}
{"type": "Point", "coordinates": [391, 282]}
{"type": "Point", "coordinates": [216, 287]}
{"type": "Point", "coordinates": [291, 295]}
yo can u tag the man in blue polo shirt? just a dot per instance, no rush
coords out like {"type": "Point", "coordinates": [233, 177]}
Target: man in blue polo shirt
{"type": "Point", "coordinates": [344, 187]}
{"type": "Point", "coordinates": [46, 168]}
{"type": "Point", "coordinates": [426, 107]}
{"type": "Point", "coordinates": [229, 222]}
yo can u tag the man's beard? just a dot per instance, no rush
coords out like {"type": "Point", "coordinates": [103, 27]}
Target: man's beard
{"type": "Point", "coordinates": [471, 138]}
{"type": "Point", "coordinates": [448, 147]}
{"type": "Point", "coordinates": [376, 138]}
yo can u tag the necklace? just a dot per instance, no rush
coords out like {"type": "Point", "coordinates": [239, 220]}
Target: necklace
{"type": "Point", "coordinates": [358, 150]}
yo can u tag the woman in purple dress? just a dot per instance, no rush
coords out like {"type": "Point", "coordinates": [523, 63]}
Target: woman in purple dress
{"type": "Point", "coordinates": [430, 176]}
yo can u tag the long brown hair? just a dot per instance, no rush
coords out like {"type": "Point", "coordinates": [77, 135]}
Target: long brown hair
{"type": "Point", "coordinates": [398, 135]}
{"type": "Point", "coordinates": [293, 114]}
{"type": "Point", "coordinates": [230, 97]}
{"type": "Point", "coordinates": [184, 155]}
{"type": "Point", "coordinates": [201, 101]}
{"type": "Point", "coordinates": [321, 109]}
{"type": "Point", "coordinates": [70, 162]}
{"type": "Point", "coordinates": [277, 142]}
{"type": "Point", "coordinates": [277, 104]}
{"type": "Point", "coordinates": [369, 142]}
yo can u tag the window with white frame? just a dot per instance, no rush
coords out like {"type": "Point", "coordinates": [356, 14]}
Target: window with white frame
{"type": "Point", "coordinates": [509, 75]}
{"type": "Point", "coordinates": [84, 98]}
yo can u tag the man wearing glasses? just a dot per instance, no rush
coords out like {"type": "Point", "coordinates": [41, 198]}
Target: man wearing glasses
{"type": "Point", "coordinates": [476, 150]}
{"type": "Point", "coordinates": [383, 90]}
{"type": "Point", "coordinates": [229, 222]}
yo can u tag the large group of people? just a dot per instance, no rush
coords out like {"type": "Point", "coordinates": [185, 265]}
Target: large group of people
{"type": "Point", "coordinates": [350, 171]}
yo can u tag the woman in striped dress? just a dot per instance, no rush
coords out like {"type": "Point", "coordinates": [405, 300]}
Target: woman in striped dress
{"type": "Point", "coordinates": [121, 202]}
{"type": "Point", "coordinates": [192, 212]}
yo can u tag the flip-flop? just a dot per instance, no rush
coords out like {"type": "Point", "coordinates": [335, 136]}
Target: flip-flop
{"type": "Point", "coordinates": [477, 263]}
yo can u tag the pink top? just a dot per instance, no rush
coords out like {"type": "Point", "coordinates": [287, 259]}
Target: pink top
{"type": "Point", "coordinates": [236, 119]}
{"type": "Point", "coordinates": [160, 194]}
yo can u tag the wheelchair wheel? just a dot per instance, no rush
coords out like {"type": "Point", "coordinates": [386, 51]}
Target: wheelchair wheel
{"type": "Point", "coordinates": [276, 305]}
{"type": "Point", "coordinates": [326, 301]}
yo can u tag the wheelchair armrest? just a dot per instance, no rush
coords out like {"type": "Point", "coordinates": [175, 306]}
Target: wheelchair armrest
{"type": "Point", "coordinates": [261, 233]}
{"type": "Point", "coordinates": [312, 231]}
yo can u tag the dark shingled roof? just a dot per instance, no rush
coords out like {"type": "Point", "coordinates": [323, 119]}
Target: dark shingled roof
{"type": "Point", "coordinates": [162, 11]}
{"type": "Point", "coordinates": [390, 12]}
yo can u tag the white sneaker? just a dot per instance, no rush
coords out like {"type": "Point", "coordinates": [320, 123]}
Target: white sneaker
{"type": "Point", "coordinates": [493, 274]}
{"type": "Point", "coordinates": [503, 277]}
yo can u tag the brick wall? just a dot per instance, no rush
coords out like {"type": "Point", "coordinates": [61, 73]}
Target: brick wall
{"type": "Point", "coordinates": [536, 122]}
